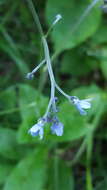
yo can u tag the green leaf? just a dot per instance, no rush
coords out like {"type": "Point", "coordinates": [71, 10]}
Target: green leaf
{"type": "Point", "coordinates": [101, 184]}
{"type": "Point", "coordinates": [17, 59]}
{"type": "Point", "coordinates": [29, 96]}
{"type": "Point", "coordinates": [100, 36]}
{"type": "Point", "coordinates": [104, 68]}
{"type": "Point", "coordinates": [101, 54]}
{"type": "Point", "coordinates": [30, 173]}
{"type": "Point", "coordinates": [103, 63]}
{"type": "Point", "coordinates": [9, 114]}
{"type": "Point", "coordinates": [11, 48]}
{"type": "Point", "coordinates": [8, 98]}
{"type": "Point", "coordinates": [61, 176]}
{"type": "Point", "coordinates": [9, 147]}
{"type": "Point", "coordinates": [73, 60]}
{"type": "Point", "coordinates": [66, 180]}
{"type": "Point", "coordinates": [69, 33]}
{"type": "Point", "coordinates": [5, 169]}
{"type": "Point", "coordinates": [75, 125]}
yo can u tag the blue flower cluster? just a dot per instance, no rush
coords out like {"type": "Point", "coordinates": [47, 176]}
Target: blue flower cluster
{"type": "Point", "coordinates": [38, 128]}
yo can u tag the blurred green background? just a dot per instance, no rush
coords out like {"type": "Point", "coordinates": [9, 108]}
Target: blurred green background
{"type": "Point", "coordinates": [78, 159]}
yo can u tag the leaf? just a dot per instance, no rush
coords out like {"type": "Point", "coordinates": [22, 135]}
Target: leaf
{"type": "Point", "coordinates": [8, 98]}
{"type": "Point", "coordinates": [74, 129]}
{"type": "Point", "coordinates": [73, 60]}
{"type": "Point", "coordinates": [12, 50]}
{"type": "Point", "coordinates": [61, 176]}
{"type": "Point", "coordinates": [104, 68]}
{"type": "Point", "coordinates": [66, 180]}
{"type": "Point", "coordinates": [101, 184]}
{"type": "Point", "coordinates": [18, 60]}
{"type": "Point", "coordinates": [71, 31]}
{"type": "Point", "coordinates": [30, 173]}
{"type": "Point", "coordinates": [103, 63]}
{"type": "Point", "coordinates": [100, 36]}
{"type": "Point", "coordinates": [8, 107]}
{"type": "Point", "coordinates": [29, 96]}
{"type": "Point", "coordinates": [101, 54]}
{"type": "Point", "coordinates": [5, 169]}
{"type": "Point", "coordinates": [9, 147]}
{"type": "Point", "coordinates": [75, 125]}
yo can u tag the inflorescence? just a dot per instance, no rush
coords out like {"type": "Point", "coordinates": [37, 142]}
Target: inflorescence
{"type": "Point", "coordinates": [50, 115]}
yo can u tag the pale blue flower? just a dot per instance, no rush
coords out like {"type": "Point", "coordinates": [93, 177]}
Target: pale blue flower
{"type": "Point", "coordinates": [81, 104]}
{"type": "Point", "coordinates": [37, 129]}
{"type": "Point", "coordinates": [57, 128]}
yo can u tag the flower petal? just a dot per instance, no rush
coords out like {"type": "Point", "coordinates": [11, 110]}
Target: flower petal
{"type": "Point", "coordinates": [85, 104]}
{"type": "Point", "coordinates": [41, 133]}
{"type": "Point", "coordinates": [34, 130]}
{"type": "Point", "coordinates": [57, 128]}
{"type": "Point", "coordinates": [82, 112]}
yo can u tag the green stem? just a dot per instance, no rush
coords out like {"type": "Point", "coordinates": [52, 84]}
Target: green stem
{"type": "Point", "coordinates": [89, 185]}
{"type": "Point", "coordinates": [90, 138]}
{"type": "Point", "coordinates": [35, 16]}
{"type": "Point", "coordinates": [79, 153]}
{"type": "Point", "coordinates": [56, 176]}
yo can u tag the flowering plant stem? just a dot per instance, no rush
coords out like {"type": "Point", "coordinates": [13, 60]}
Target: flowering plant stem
{"type": "Point", "coordinates": [47, 57]}
{"type": "Point", "coordinates": [48, 61]}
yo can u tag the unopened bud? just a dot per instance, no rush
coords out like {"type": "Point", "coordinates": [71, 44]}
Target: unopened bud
{"type": "Point", "coordinates": [57, 18]}
{"type": "Point", "coordinates": [30, 76]}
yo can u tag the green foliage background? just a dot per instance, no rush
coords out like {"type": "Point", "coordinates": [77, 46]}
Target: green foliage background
{"type": "Point", "coordinates": [78, 159]}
